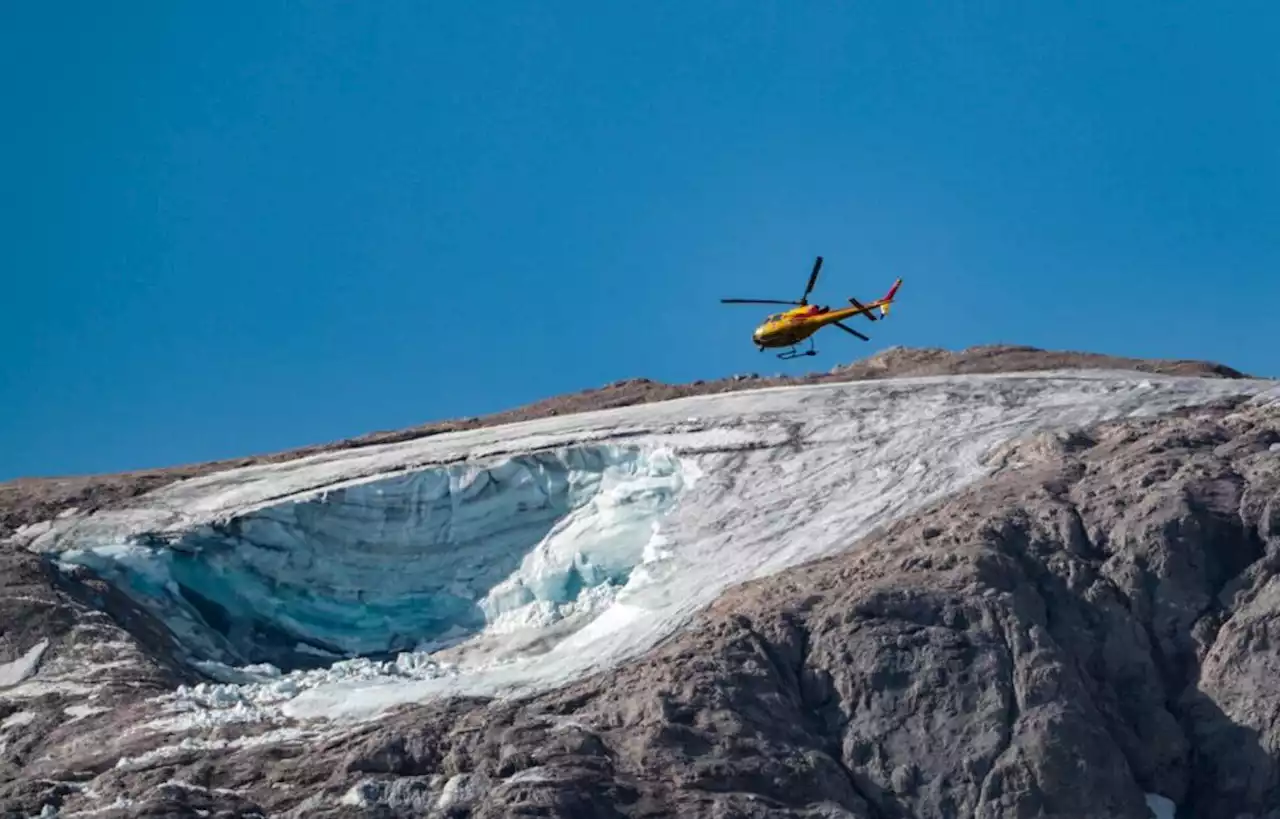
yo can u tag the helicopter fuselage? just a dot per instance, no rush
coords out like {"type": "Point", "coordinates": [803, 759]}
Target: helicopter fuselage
{"type": "Point", "coordinates": [794, 326]}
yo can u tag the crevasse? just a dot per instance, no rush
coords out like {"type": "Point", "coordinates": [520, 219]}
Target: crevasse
{"type": "Point", "coordinates": [411, 562]}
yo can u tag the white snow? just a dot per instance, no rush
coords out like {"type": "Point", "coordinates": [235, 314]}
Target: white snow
{"type": "Point", "coordinates": [17, 719]}
{"type": "Point", "coordinates": [37, 688]}
{"type": "Point", "coordinates": [79, 712]}
{"type": "Point", "coordinates": [513, 558]}
{"type": "Point", "coordinates": [461, 791]}
{"type": "Point", "coordinates": [279, 736]}
{"type": "Point", "coordinates": [15, 671]}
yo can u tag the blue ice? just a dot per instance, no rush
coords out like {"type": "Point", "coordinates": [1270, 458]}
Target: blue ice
{"type": "Point", "coordinates": [399, 562]}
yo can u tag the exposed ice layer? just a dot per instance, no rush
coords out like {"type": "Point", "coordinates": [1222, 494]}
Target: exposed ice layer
{"type": "Point", "coordinates": [404, 563]}
{"type": "Point", "coordinates": [783, 476]}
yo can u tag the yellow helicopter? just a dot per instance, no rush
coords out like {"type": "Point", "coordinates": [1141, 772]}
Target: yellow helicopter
{"type": "Point", "coordinates": [794, 326]}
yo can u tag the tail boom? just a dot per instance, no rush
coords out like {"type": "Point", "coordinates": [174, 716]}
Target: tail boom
{"type": "Point", "coordinates": [881, 304]}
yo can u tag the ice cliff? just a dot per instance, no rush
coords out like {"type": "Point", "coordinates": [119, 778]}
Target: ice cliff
{"type": "Point", "coordinates": [408, 562]}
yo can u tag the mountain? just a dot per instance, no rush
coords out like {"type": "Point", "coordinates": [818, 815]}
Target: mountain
{"type": "Point", "coordinates": [1001, 582]}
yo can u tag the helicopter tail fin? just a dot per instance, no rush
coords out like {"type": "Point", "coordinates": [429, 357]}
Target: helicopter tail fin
{"type": "Point", "coordinates": [888, 297]}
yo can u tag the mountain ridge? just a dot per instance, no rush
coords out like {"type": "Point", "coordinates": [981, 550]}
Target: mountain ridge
{"type": "Point", "coordinates": [27, 500]}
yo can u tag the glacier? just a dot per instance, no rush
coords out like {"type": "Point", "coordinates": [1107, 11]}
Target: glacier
{"type": "Point", "coordinates": [503, 560]}
{"type": "Point", "coordinates": [410, 562]}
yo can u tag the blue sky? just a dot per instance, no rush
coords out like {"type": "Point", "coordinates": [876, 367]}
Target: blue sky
{"type": "Point", "coordinates": [239, 227]}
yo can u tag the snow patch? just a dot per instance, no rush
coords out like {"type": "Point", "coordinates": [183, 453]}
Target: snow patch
{"type": "Point", "coordinates": [190, 744]}
{"type": "Point", "coordinates": [460, 792]}
{"type": "Point", "coordinates": [79, 712]}
{"type": "Point", "coordinates": [16, 671]}
{"type": "Point", "coordinates": [406, 793]}
{"type": "Point", "coordinates": [34, 689]}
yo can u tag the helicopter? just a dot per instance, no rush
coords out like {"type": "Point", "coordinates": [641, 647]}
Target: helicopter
{"type": "Point", "coordinates": [789, 328]}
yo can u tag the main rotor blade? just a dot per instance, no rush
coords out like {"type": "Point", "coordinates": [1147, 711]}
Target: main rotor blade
{"type": "Point", "coordinates": [850, 330]}
{"type": "Point", "coordinates": [813, 279]}
{"type": "Point", "coordinates": [757, 301]}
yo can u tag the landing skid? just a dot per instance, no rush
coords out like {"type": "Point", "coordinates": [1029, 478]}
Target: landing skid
{"type": "Point", "coordinates": [794, 353]}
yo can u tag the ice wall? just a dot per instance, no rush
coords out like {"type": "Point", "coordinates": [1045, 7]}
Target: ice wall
{"type": "Point", "coordinates": [409, 562]}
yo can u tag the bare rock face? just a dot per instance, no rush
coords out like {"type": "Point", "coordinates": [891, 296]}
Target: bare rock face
{"type": "Point", "coordinates": [90, 645]}
{"type": "Point", "coordinates": [1098, 621]}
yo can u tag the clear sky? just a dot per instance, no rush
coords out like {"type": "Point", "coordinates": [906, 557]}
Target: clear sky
{"type": "Point", "coordinates": [238, 227]}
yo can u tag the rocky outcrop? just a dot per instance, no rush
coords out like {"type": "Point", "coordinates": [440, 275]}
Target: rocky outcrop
{"type": "Point", "coordinates": [1097, 621]}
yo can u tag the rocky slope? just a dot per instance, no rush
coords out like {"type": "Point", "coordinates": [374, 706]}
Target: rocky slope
{"type": "Point", "coordinates": [1097, 621]}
